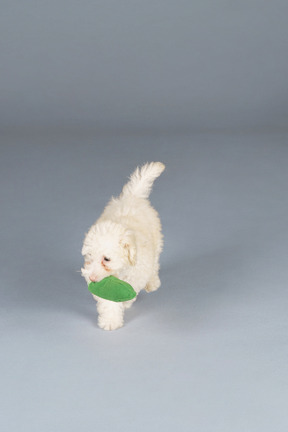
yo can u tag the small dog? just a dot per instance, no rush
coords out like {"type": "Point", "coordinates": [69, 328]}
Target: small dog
{"type": "Point", "coordinates": [125, 242]}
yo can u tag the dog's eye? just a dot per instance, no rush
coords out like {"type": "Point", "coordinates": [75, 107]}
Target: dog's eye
{"type": "Point", "coordinates": [107, 259]}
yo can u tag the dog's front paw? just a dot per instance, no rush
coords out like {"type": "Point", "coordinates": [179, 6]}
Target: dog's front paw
{"type": "Point", "coordinates": [112, 323]}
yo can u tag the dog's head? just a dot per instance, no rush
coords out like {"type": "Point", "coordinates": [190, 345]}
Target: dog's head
{"type": "Point", "coordinates": [108, 249]}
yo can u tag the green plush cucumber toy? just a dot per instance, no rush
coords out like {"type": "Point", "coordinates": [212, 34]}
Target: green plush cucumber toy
{"type": "Point", "coordinates": [113, 289]}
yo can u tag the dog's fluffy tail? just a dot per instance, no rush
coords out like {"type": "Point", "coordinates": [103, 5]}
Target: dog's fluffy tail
{"type": "Point", "coordinates": [142, 179]}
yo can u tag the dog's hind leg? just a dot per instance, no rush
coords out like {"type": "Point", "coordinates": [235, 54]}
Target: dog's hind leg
{"type": "Point", "coordinates": [129, 303]}
{"type": "Point", "coordinates": [154, 283]}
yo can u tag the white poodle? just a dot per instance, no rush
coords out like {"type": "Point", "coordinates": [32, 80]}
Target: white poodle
{"type": "Point", "coordinates": [125, 242]}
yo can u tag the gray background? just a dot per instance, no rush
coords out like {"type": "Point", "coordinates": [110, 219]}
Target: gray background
{"type": "Point", "coordinates": [89, 90]}
{"type": "Point", "coordinates": [144, 64]}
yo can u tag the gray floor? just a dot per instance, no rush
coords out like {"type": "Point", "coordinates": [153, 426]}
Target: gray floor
{"type": "Point", "coordinates": [206, 352]}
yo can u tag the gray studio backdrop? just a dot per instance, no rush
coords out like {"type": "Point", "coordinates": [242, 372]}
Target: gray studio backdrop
{"type": "Point", "coordinates": [181, 65]}
{"type": "Point", "coordinates": [89, 90]}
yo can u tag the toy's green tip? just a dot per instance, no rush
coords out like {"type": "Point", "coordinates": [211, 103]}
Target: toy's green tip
{"type": "Point", "coordinates": [113, 289]}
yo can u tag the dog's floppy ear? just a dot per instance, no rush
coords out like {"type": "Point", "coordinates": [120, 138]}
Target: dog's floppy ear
{"type": "Point", "coordinates": [128, 244]}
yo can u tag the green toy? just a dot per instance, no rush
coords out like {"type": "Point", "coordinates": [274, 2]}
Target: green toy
{"type": "Point", "coordinates": [113, 289]}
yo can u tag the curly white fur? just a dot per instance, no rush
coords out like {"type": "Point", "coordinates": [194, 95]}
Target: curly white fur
{"type": "Point", "coordinates": [125, 242]}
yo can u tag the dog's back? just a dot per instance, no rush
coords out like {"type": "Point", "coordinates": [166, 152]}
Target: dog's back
{"type": "Point", "coordinates": [132, 208]}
